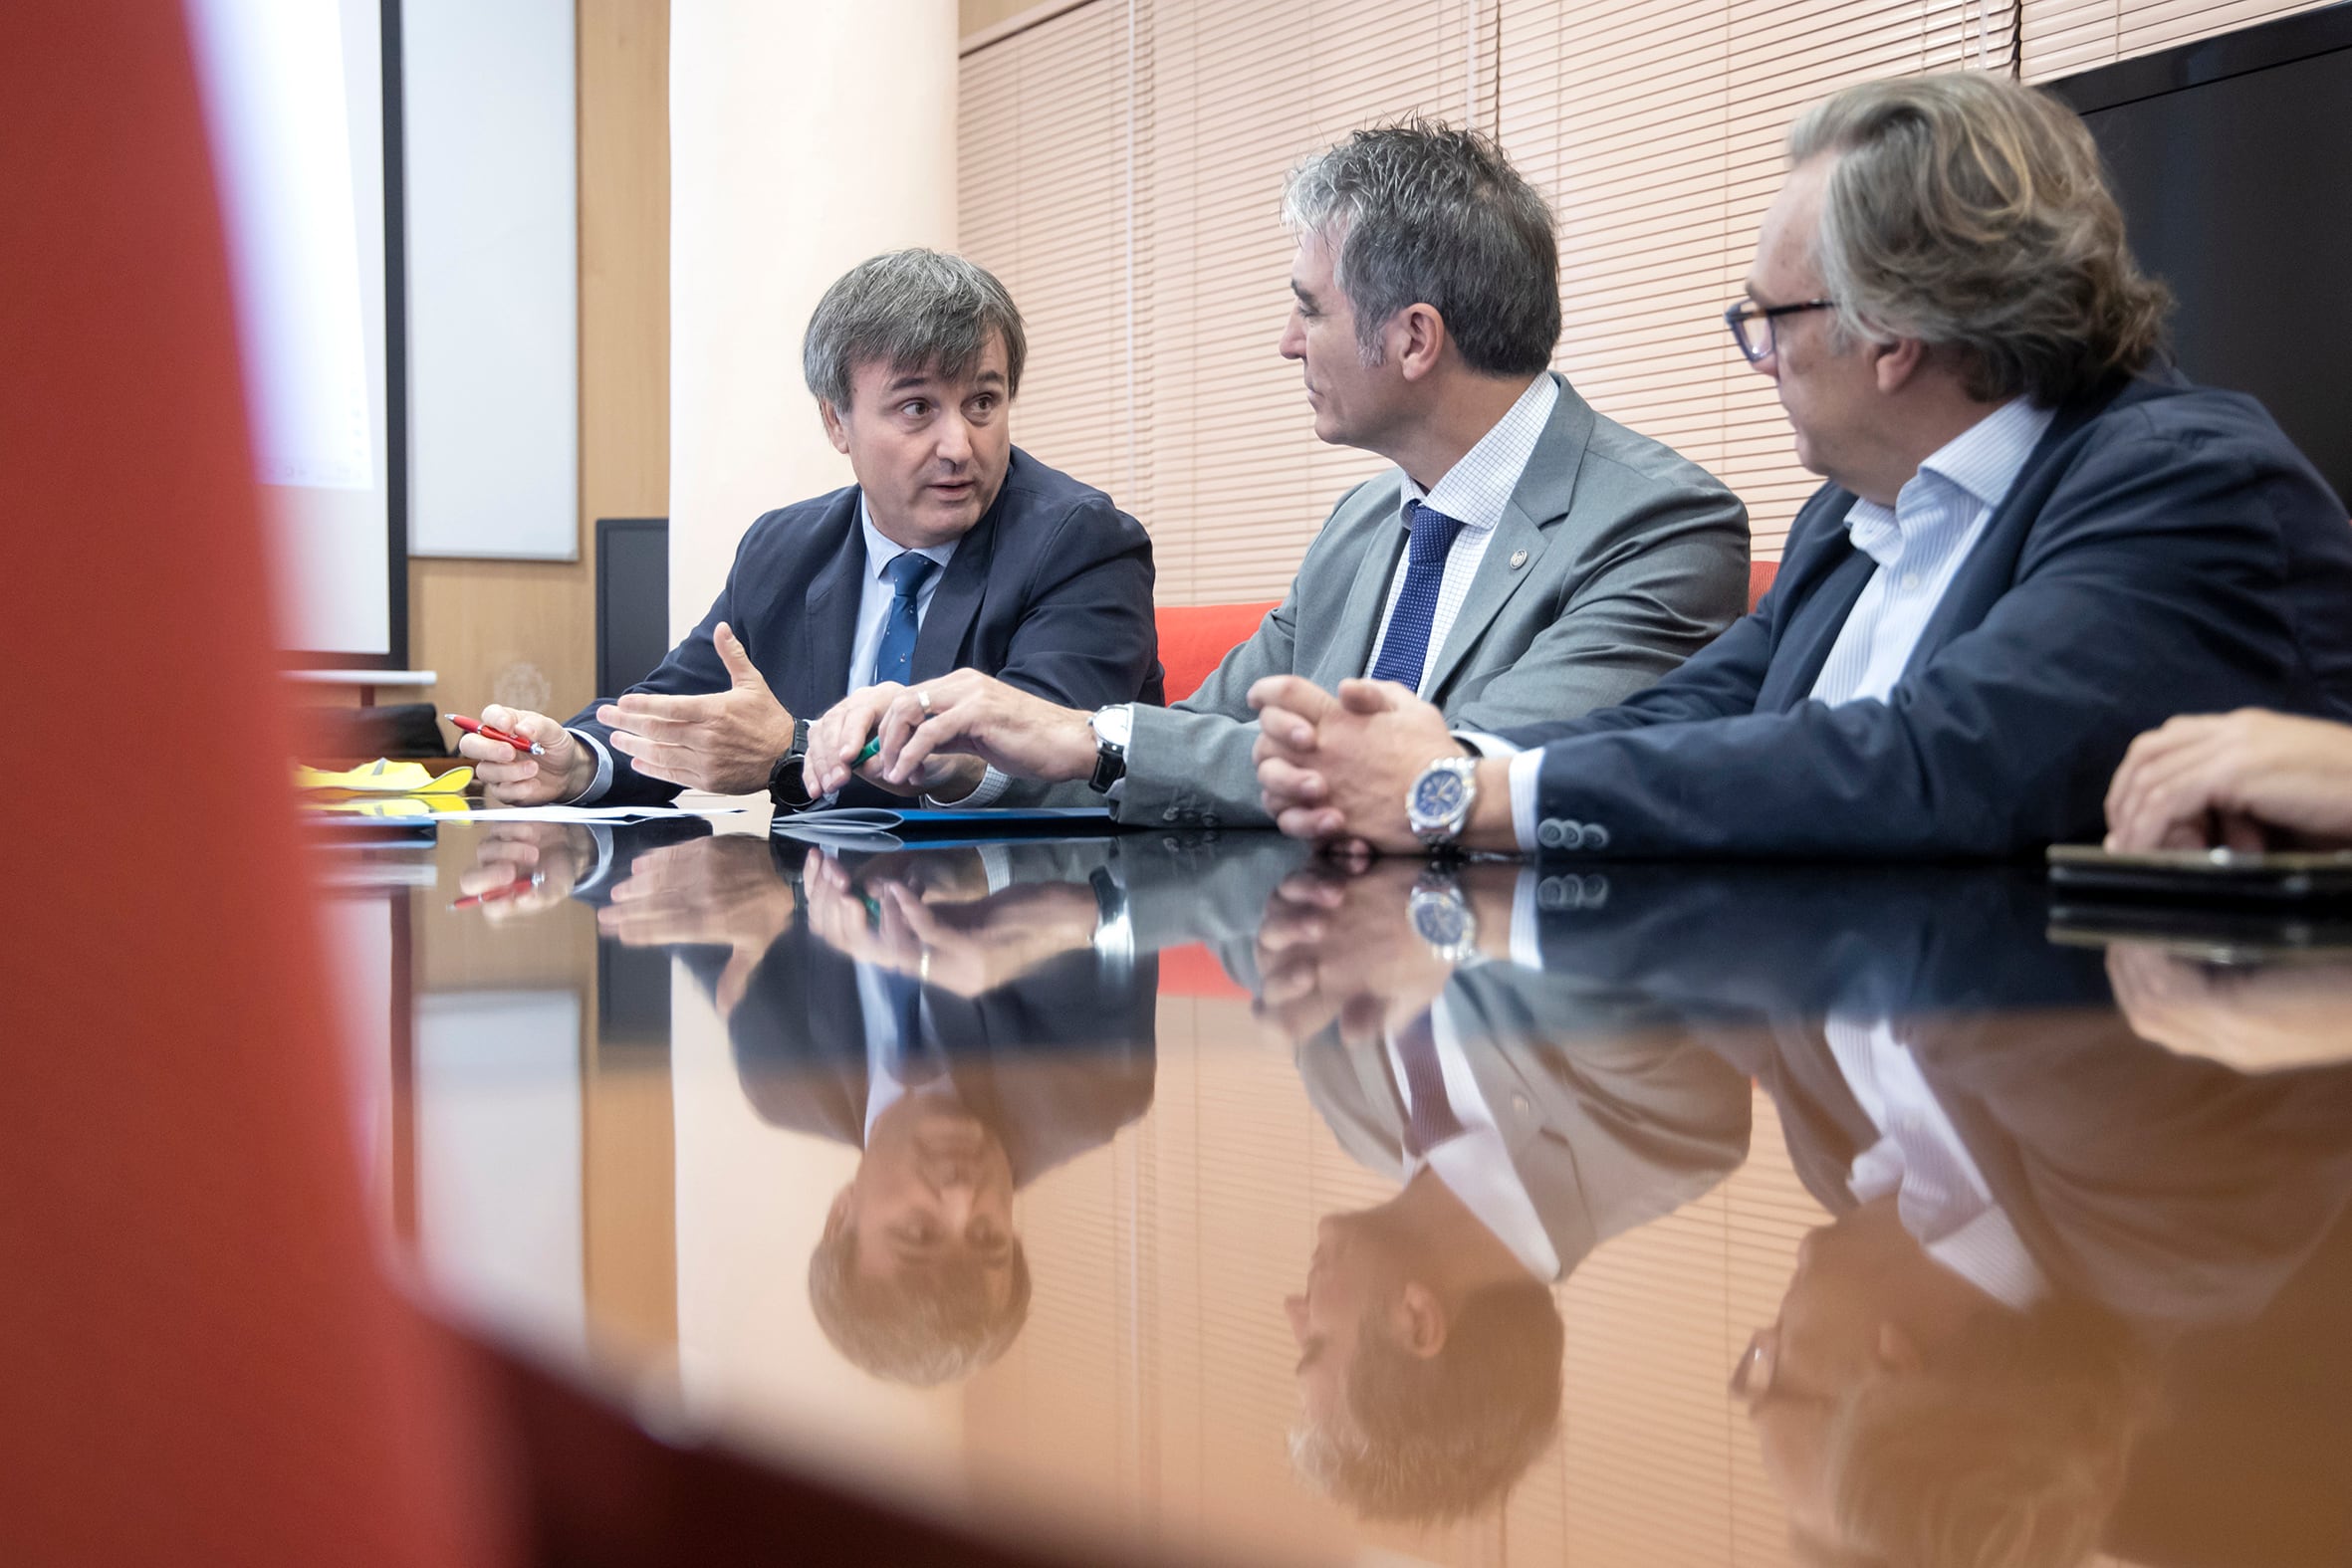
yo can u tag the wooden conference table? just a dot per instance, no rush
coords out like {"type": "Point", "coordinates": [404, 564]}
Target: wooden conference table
{"type": "Point", "coordinates": [2098, 1186]}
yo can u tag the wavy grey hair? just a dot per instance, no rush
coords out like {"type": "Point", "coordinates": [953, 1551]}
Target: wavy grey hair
{"type": "Point", "coordinates": [912, 309]}
{"type": "Point", "coordinates": [1967, 210]}
{"type": "Point", "coordinates": [1423, 213]}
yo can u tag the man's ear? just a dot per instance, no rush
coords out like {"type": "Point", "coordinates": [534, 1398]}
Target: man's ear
{"type": "Point", "coordinates": [1418, 1319]}
{"type": "Point", "coordinates": [1417, 340]}
{"type": "Point", "coordinates": [1894, 363]}
{"type": "Point", "coordinates": [834, 430]}
{"type": "Point", "coordinates": [1897, 1351]}
{"type": "Point", "coordinates": [843, 1209]}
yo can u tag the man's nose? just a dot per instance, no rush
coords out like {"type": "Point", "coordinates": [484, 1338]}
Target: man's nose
{"type": "Point", "coordinates": [1292, 342]}
{"type": "Point", "coordinates": [955, 439]}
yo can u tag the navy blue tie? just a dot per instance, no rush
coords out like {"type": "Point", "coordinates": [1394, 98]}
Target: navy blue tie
{"type": "Point", "coordinates": [1406, 647]}
{"type": "Point", "coordinates": [1429, 1117]}
{"type": "Point", "coordinates": [895, 659]}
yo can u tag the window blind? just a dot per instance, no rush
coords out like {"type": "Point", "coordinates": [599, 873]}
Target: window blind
{"type": "Point", "coordinates": [1123, 167]}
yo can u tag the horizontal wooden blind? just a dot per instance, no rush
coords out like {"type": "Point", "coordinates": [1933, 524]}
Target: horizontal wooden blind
{"type": "Point", "coordinates": [2065, 36]}
{"type": "Point", "coordinates": [1122, 167]}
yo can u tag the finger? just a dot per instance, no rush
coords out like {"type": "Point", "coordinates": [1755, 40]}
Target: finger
{"type": "Point", "coordinates": [482, 749]}
{"type": "Point", "coordinates": [2174, 791]}
{"type": "Point", "coordinates": [902, 719]}
{"type": "Point", "coordinates": [1291, 785]}
{"type": "Point", "coordinates": [1293, 692]}
{"type": "Point", "coordinates": [1314, 824]}
{"type": "Point", "coordinates": [637, 706]}
{"type": "Point", "coordinates": [521, 771]}
{"type": "Point", "coordinates": [669, 764]}
{"type": "Point", "coordinates": [1366, 696]}
{"type": "Point", "coordinates": [931, 735]}
{"type": "Point", "coordinates": [735, 656]}
{"type": "Point", "coordinates": [1312, 888]}
{"type": "Point", "coordinates": [2152, 751]}
{"type": "Point", "coordinates": [660, 727]}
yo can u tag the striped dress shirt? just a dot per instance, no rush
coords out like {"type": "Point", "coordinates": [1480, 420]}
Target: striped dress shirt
{"type": "Point", "coordinates": [1938, 516]}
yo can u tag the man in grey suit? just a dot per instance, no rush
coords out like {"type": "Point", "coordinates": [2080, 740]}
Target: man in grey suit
{"type": "Point", "coordinates": [1527, 559]}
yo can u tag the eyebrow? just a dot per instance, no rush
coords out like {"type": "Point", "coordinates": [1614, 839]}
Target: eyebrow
{"type": "Point", "coordinates": [1305, 298]}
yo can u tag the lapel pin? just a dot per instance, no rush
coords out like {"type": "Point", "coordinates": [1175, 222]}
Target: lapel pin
{"type": "Point", "coordinates": [1518, 558]}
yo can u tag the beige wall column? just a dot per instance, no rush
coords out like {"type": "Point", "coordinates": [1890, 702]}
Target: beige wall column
{"type": "Point", "coordinates": [803, 138]}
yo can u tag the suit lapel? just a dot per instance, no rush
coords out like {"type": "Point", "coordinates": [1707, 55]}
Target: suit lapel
{"type": "Point", "coordinates": [1813, 629]}
{"type": "Point", "coordinates": [828, 629]}
{"type": "Point", "coordinates": [1350, 648]}
{"type": "Point", "coordinates": [957, 599]}
{"type": "Point", "coordinates": [1541, 500]}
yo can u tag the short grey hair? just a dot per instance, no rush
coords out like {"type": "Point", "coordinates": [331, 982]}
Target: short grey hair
{"type": "Point", "coordinates": [912, 309]}
{"type": "Point", "coordinates": [922, 1334]}
{"type": "Point", "coordinates": [1420, 212]}
{"type": "Point", "coordinates": [1970, 211]}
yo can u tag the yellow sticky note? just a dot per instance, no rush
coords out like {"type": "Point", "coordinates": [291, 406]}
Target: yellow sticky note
{"type": "Point", "coordinates": [385, 778]}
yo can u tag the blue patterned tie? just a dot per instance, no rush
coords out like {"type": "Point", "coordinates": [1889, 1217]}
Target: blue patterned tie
{"type": "Point", "coordinates": [1429, 1117]}
{"type": "Point", "coordinates": [895, 659]}
{"type": "Point", "coordinates": [1406, 647]}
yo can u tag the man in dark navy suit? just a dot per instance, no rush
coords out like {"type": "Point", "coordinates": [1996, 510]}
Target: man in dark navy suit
{"type": "Point", "coordinates": [954, 549]}
{"type": "Point", "coordinates": [2036, 542]}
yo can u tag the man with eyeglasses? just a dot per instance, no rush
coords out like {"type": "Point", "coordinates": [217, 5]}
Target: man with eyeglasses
{"type": "Point", "coordinates": [2036, 541]}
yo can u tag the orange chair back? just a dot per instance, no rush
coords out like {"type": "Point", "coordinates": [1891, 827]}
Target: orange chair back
{"type": "Point", "coordinates": [1760, 581]}
{"type": "Point", "coordinates": [1195, 638]}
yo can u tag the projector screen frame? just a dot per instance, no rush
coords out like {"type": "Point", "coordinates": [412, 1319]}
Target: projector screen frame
{"type": "Point", "coordinates": [396, 377]}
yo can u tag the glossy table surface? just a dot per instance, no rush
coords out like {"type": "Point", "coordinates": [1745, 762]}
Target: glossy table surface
{"type": "Point", "coordinates": [1142, 1197]}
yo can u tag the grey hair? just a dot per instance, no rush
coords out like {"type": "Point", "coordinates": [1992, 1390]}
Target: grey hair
{"type": "Point", "coordinates": [912, 309]}
{"type": "Point", "coordinates": [1969, 211]}
{"type": "Point", "coordinates": [1422, 213]}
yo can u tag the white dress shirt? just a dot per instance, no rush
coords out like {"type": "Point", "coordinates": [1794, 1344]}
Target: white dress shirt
{"type": "Point", "coordinates": [873, 615]}
{"type": "Point", "coordinates": [1476, 1166]}
{"type": "Point", "coordinates": [1940, 1192]}
{"type": "Point", "coordinates": [1938, 516]}
{"type": "Point", "coordinates": [1919, 544]}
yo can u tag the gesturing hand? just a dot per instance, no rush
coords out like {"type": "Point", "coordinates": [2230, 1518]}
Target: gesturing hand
{"type": "Point", "coordinates": [2232, 778]}
{"type": "Point", "coordinates": [512, 778]}
{"type": "Point", "coordinates": [724, 743]}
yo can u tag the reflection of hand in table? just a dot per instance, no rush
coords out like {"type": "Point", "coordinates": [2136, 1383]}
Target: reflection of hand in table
{"type": "Point", "coordinates": [920, 920]}
{"type": "Point", "coordinates": [2254, 1020]}
{"type": "Point", "coordinates": [1337, 944]}
{"type": "Point", "coordinates": [549, 855]}
{"type": "Point", "coordinates": [723, 891]}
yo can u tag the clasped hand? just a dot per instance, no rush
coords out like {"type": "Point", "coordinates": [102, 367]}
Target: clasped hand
{"type": "Point", "coordinates": [939, 735]}
{"type": "Point", "coordinates": [1338, 767]}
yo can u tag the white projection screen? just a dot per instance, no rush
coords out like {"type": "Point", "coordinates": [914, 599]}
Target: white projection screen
{"type": "Point", "coordinates": [294, 103]}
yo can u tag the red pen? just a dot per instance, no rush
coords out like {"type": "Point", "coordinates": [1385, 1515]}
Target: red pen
{"type": "Point", "coordinates": [477, 727]}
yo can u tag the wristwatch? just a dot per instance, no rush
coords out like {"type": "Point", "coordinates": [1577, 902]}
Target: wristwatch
{"type": "Point", "coordinates": [1442, 916]}
{"type": "Point", "coordinates": [1437, 804]}
{"type": "Point", "coordinates": [788, 786]}
{"type": "Point", "coordinates": [1112, 727]}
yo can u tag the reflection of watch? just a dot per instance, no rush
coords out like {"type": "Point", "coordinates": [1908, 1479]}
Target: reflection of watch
{"type": "Point", "coordinates": [1442, 917]}
{"type": "Point", "coordinates": [1112, 727]}
{"type": "Point", "coordinates": [787, 787]}
{"type": "Point", "coordinates": [1438, 804]}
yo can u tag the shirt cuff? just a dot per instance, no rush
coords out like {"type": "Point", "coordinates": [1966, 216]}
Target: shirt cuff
{"type": "Point", "coordinates": [1485, 744]}
{"type": "Point", "coordinates": [991, 788]}
{"type": "Point", "coordinates": [1527, 775]}
{"type": "Point", "coordinates": [601, 836]}
{"type": "Point", "coordinates": [603, 779]}
{"type": "Point", "coordinates": [1526, 922]}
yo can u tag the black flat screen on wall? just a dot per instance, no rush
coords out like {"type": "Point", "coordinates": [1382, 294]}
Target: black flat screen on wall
{"type": "Point", "coordinates": [2232, 158]}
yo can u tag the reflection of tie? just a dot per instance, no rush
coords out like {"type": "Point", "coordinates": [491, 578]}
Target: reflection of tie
{"type": "Point", "coordinates": [1429, 1115]}
{"type": "Point", "coordinates": [913, 1062]}
{"type": "Point", "coordinates": [1406, 646]}
{"type": "Point", "coordinates": [895, 659]}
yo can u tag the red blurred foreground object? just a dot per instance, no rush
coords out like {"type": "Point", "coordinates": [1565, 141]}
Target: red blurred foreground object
{"type": "Point", "coordinates": [206, 1365]}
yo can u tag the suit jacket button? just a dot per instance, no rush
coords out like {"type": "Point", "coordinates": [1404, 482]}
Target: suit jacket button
{"type": "Point", "coordinates": [1551, 834]}
{"type": "Point", "coordinates": [1169, 815]}
{"type": "Point", "coordinates": [1553, 892]}
{"type": "Point", "coordinates": [1594, 836]}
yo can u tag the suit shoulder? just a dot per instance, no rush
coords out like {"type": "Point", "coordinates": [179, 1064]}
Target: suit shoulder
{"type": "Point", "coordinates": [1647, 464]}
{"type": "Point", "coordinates": [792, 525]}
{"type": "Point", "coordinates": [1038, 493]}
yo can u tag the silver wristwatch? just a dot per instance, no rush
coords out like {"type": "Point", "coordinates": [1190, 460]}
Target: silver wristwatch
{"type": "Point", "coordinates": [1113, 727]}
{"type": "Point", "coordinates": [1442, 916]}
{"type": "Point", "coordinates": [1438, 804]}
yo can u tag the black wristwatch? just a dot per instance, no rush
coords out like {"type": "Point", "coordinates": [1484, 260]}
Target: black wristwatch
{"type": "Point", "coordinates": [787, 785]}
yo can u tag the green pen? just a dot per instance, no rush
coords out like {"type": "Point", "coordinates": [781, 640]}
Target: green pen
{"type": "Point", "coordinates": [873, 748]}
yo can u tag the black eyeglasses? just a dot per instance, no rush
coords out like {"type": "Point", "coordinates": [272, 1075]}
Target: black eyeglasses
{"type": "Point", "coordinates": [1752, 324]}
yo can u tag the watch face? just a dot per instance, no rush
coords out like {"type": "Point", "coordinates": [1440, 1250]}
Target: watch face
{"type": "Point", "coordinates": [1441, 919]}
{"type": "Point", "coordinates": [1438, 794]}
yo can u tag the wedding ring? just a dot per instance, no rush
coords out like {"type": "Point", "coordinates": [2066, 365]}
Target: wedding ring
{"type": "Point", "coordinates": [923, 968]}
{"type": "Point", "coordinates": [923, 700]}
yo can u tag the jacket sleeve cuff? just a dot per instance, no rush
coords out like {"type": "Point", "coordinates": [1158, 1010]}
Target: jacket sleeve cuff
{"type": "Point", "coordinates": [603, 779]}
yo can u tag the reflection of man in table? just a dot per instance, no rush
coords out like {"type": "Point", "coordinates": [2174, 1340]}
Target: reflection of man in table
{"type": "Point", "coordinates": [1430, 1342]}
{"type": "Point", "coordinates": [1017, 1037]}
